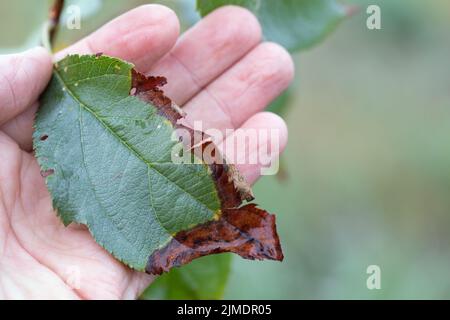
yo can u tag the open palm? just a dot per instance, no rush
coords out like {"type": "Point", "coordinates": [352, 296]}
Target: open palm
{"type": "Point", "coordinates": [218, 71]}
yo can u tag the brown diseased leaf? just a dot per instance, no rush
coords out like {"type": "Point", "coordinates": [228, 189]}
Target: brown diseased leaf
{"type": "Point", "coordinates": [242, 229]}
{"type": "Point", "coordinates": [247, 231]}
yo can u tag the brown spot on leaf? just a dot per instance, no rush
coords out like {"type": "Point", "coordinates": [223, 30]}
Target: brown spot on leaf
{"type": "Point", "coordinates": [225, 188]}
{"type": "Point", "coordinates": [47, 173]}
{"type": "Point", "coordinates": [239, 182]}
{"type": "Point", "coordinates": [244, 230]}
{"type": "Point", "coordinates": [43, 137]}
{"type": "Point", "coordinates": [247, 231]}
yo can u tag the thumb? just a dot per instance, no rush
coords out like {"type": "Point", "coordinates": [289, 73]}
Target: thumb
{"type": "Point", "coordinates": [23, 77]}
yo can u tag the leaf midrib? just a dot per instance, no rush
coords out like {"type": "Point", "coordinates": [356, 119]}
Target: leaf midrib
{"type": "Point", "coordinates": [124, 143]}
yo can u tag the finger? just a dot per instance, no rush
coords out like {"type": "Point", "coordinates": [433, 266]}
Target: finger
{"type": "Point", "coordinates": [255, 147]}
{"type": "Point", "coordinates": [139, 281]}
{"type": "Point", "coordinates": [142, 36]}
{"type": "Point", "coordinates": [23, 76]}
{"type": "Point", "coordinates": [245, 89]}
{"type": "Point", "coordinates": [207, 50]}
{"type": "Point", "coordinates": [20, 128]}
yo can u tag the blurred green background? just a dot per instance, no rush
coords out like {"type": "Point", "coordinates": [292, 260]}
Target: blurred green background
{"type": "Point", "coordinates": [367, 169]}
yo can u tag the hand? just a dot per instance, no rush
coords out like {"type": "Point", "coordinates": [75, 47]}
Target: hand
{"type": "Point", "coordinates": [218, 71]}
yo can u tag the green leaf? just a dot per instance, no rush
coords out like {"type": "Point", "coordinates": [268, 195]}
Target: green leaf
{"type": "Point", "coordinates": [204, 278]}
{"type": "Point", "coordinates": [110, 154]}
{"type": "Point", "coordinates": [207, 6]}
{"type": "Point", "coordinates": [106, 149]}
{"type": "Point", "coordinates": [295, 24]}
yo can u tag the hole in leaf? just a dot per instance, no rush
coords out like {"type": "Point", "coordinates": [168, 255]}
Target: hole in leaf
{"type": "Point", "coordinates": [46, 173]}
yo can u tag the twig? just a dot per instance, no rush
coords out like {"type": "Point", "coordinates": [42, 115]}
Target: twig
{"type": "Point", "coordinates": [51, 26]}
{"type": "Point", "coordinates": [54, 16]}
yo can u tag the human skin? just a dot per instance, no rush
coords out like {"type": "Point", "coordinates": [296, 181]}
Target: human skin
{"type": "Point", "coordinates": [219, 72]}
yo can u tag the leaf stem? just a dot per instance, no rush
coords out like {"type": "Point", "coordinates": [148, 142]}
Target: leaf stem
{"type": "Point", "coordinates": [51, 25]}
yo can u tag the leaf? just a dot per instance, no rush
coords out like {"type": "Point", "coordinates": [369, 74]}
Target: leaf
{"type": "Point", "coordinates": [104, 140]}
{"type": "Point", "coordinates": [204, 278]}
{"type": "Point", "coordinates": [295, 24]}
{"type": "Point", "coordinates": [207, 6]}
